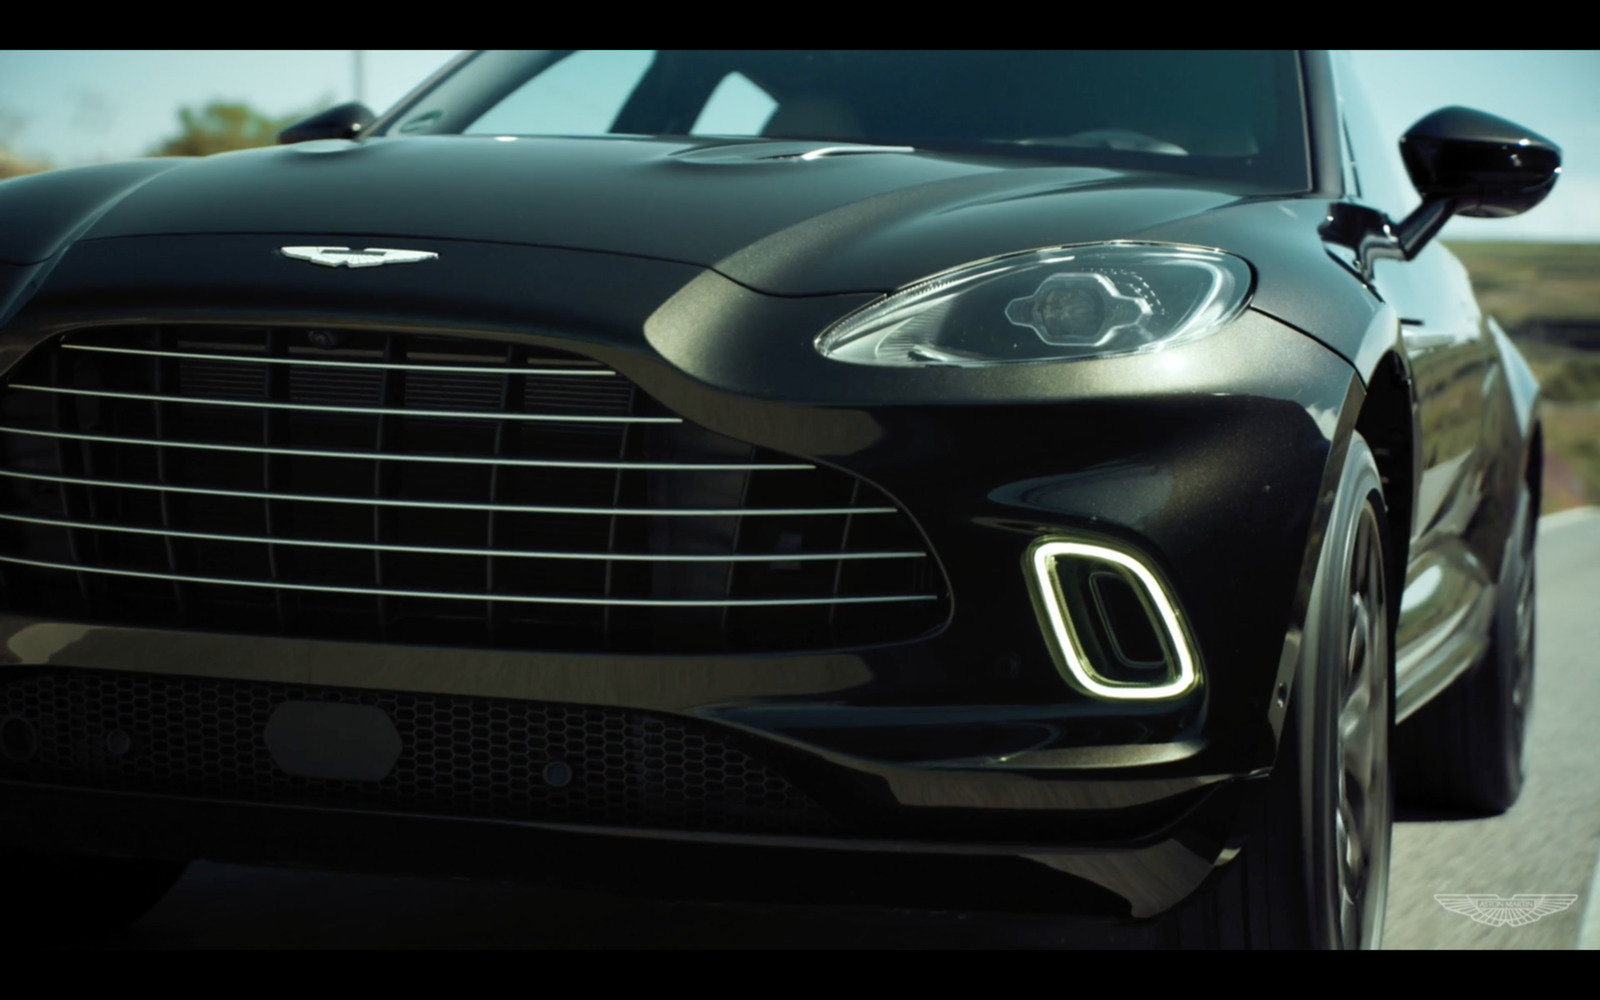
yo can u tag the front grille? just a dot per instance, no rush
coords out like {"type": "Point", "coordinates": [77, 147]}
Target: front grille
{"type": "Point", "coordinates": [432, 490]}
{"type": "Point", "coordinates": [472, 757]}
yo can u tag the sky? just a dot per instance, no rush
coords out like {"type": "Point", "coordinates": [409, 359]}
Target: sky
{"type": "Point", "coordinates": [76, 107]}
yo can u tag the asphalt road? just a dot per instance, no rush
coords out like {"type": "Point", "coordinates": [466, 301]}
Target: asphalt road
{"type": "Point", "coordinates": [1549, 841]}
{"type": "Point", "coordinates": [1547, 844]}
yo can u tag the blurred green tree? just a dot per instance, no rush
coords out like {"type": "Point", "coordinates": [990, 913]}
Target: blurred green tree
{"type": "Point", "coordinates": [223, 126]}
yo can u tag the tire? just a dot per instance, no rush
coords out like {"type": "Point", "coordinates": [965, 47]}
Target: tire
{"type": "Point", "coordinates": [1464, 750]}
{"type": "Point", "coordinates": [64, 898]}
{"type": "Point", "coordinates": [1314, 870]}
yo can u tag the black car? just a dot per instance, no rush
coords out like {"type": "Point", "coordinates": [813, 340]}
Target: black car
{"type": "Point", "coordinates": [1032, 482]}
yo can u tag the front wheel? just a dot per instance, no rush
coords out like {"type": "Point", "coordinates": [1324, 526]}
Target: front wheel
{"type": "Point", "coordinates": [1314, 871]}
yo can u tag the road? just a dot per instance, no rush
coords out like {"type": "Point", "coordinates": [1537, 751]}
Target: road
{"type": "Point", "coordinates": [1547, 844]}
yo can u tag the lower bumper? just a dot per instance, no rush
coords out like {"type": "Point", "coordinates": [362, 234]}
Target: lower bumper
{"type": "Point", "coordinates": [992, 878]}
{"type": "Point", "coordinates": [589, 796]}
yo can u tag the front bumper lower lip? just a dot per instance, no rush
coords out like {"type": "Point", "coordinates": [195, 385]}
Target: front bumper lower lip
{"type": "Point", "coordinates": [1139, 881]}
{"type": "Point", "coordinates": [198, 744]}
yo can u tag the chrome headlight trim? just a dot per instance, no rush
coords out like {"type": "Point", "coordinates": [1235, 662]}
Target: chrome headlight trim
{"type": "Point", "coordinates": [1062, 303]}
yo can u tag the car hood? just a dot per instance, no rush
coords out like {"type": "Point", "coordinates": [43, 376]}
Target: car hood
{"type": "Point", "coordinates": [776, 216]}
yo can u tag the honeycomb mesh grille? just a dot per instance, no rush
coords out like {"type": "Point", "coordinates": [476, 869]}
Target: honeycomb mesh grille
{"type": "Point", "coordinates": [464, 757]}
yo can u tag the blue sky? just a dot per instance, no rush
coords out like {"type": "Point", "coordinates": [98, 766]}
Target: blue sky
{"type": "Point", "coordinates": [73, 107]}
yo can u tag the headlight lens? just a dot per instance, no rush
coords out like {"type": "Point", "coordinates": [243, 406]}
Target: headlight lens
{"type": "Point", "coordinates": [1056, 304]}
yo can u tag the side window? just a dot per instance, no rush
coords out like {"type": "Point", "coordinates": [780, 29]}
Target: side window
{"type": "Point", "coordinates": [580, 95]}
{"type": "Point", "coordinates": [1380, 174]}
{"type": "Point", "coordinates": [737, 107]}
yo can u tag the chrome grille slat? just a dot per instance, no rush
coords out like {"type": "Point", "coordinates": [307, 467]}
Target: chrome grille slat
{"type": "Point", "coordinates": [497, 553]}
{"type": "Point", "coordinates": [372, 456]}
{"type": "Point", "coordinates": [272, 421]}
{"type": "Point", "coordinates": [391, 394]}
{"type": "Point", "coordinates": [65, 460]}
{"type": "Point", "coordinates": [164, 378]}
{"type": "Point", "coordinates": [449, 505]}
{"type": "Point", "coordinates": [241, 479]}
{"type": "Point", "coordinates": [329, 363]}
{"type": "Point", "coordinates": [509, 397]}
{"type": "Point", "coordinates": [371, 411]}
{"type": "Point", "coordinates": [648, 602]}
{"type": "Point", "coordinates": [612, 529]}
{"type": "Point", "coordinates": [732, 572]}
{"type": "Point", "coordinates": [844, 540]}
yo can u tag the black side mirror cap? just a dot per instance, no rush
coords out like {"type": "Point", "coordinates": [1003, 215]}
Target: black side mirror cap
{"type": "Point", "coordinates": [343, 122]}
{"type": "Point", "coordinates": [1466, 162]}
{"type": "Point", "coordinates": [1494, 168]}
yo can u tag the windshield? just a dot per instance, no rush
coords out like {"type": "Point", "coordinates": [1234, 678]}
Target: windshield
{"type": "Point", "coordinates": [1237, 115]}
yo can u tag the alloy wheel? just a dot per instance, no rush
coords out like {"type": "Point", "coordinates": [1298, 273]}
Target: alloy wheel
{"type": "Point", "coordinates": [1363, 818]}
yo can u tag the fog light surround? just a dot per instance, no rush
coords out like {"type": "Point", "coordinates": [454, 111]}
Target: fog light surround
{"type": "Point", "coordinates": [1085, 644]}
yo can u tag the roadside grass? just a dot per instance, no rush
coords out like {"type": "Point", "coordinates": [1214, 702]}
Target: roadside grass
{"type": "Point", "coordinates": [1521, 285]}
{"type": "Point", "coordinates": [1519, 282]}
{"type": "Point", "coordinates": [1572, 457]}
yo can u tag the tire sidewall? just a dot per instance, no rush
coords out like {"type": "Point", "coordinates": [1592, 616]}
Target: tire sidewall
{"type": "Point", "coordinates": [1315, 716]}
{"type": "Point", "coordinates": [1516, 570]}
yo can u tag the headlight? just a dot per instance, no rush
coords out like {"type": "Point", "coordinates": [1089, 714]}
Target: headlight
{"type": "Point", "coordinates": [1056, 304]}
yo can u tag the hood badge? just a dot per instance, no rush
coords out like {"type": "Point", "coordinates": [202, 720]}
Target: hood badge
{"type": "Point", "coordinates": [346, 257]}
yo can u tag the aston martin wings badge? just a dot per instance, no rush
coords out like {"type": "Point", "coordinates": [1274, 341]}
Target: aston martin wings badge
{"type": "Point", "coordinates": [1497, 911]}
{"type": "Point", "coordinates": [346, 257]}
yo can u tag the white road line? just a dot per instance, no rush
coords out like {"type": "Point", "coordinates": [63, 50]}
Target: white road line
{"type": "Point", "coordinates": [1589, 930]}
{"type": "Point", "coordinates": [1566, 517]}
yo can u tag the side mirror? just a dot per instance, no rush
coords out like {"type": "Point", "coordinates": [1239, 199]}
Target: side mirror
{"type": "Point", "coordinates": [1466, 162]}
{"type": "Point", "coordinates": [343, 122]}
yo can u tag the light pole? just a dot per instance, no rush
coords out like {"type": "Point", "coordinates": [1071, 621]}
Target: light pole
{"type": "Point", "coordinates": [360, 76]}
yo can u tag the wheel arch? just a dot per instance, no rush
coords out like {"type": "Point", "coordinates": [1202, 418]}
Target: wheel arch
{"type": "Point", "coordinates": [1387, 420]}
{"type": "Point", "coordinates": [1380, 406]}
